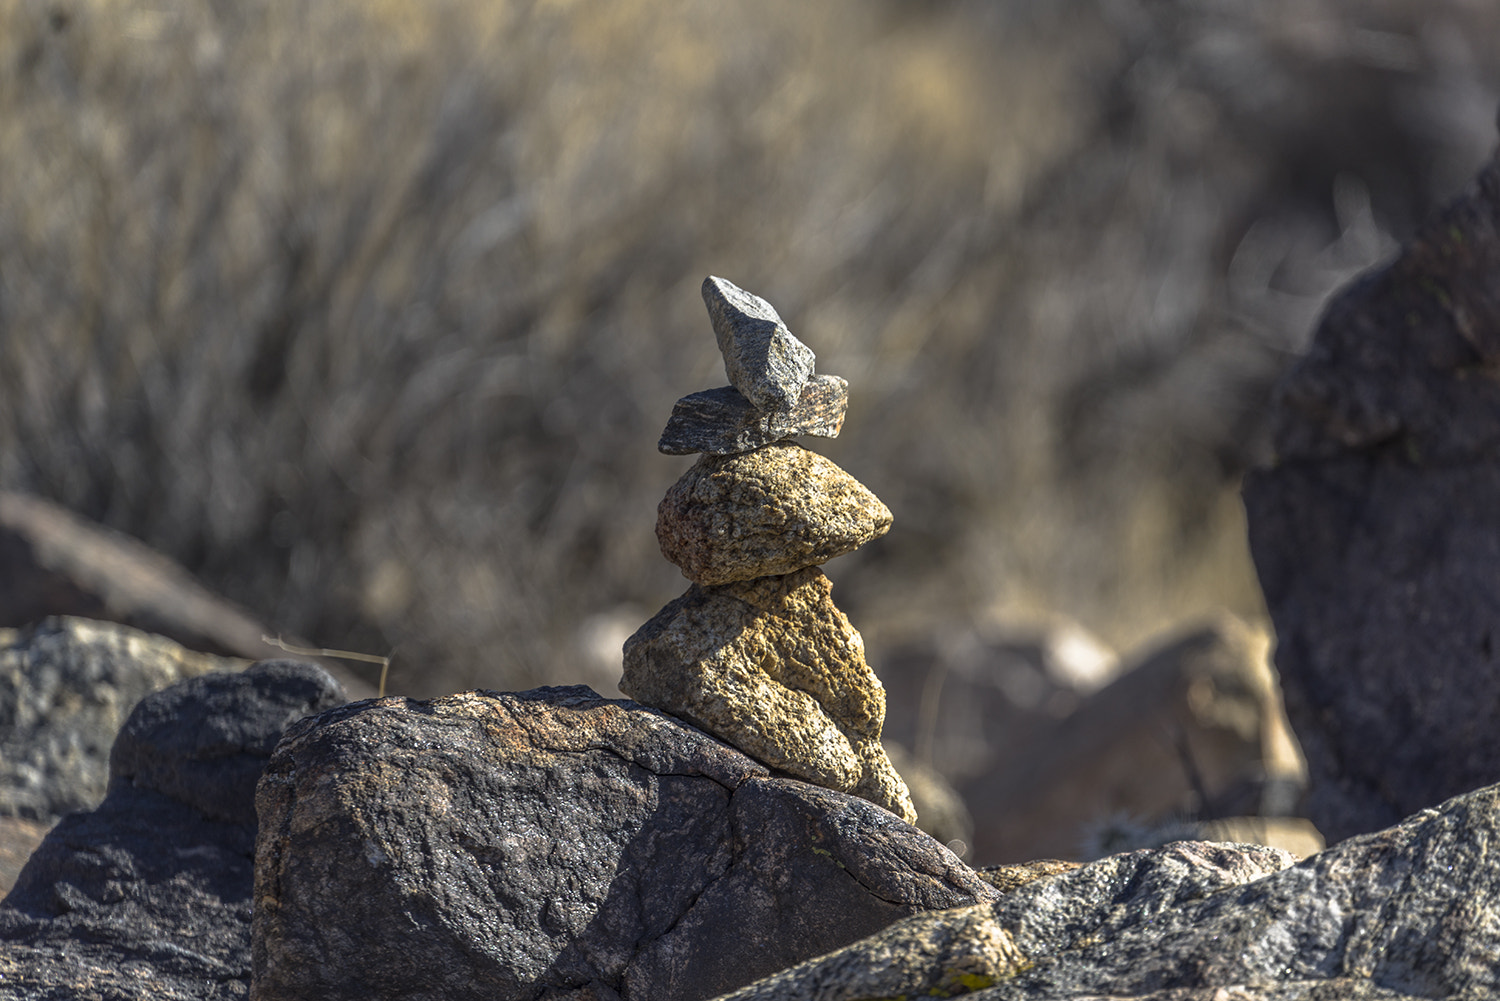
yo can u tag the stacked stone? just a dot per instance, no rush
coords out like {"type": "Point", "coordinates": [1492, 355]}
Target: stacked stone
{"type": "Point", "coordinates": [755, 652]}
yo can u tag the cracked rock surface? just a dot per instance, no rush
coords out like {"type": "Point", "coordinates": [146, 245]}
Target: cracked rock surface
{"type": "Point", "coordinates": [556, 844]}
{"type": "Point", "coordinates": [765, 513]}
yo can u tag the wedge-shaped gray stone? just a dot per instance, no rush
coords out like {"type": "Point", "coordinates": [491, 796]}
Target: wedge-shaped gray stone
{"type": "Point", "coordinates": [722, 422]}
{"type": "Point", "coordinates": [761, 357]}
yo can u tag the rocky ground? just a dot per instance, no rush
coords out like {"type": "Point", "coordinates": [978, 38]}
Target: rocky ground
{"type": "Point", "coordinates": [261, 836]}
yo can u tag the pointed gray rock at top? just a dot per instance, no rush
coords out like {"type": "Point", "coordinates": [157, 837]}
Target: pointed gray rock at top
{"type": "Point", "coordinates": [761, 357]}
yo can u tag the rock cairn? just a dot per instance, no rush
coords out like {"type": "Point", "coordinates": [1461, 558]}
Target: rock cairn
{"type": "Point", "coordinates": [755, 652]}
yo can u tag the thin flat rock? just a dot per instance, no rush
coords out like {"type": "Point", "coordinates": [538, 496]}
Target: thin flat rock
{"type": "Point", "coordinates": [722, 422]}
{"type": "Point", "coordinates": [763, 360]}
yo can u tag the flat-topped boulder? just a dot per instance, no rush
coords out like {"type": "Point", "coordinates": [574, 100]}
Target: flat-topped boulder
{"type": "Point", "coordinates": [765, 513]}
{"type": "Point", "coordinates": [503, 846]}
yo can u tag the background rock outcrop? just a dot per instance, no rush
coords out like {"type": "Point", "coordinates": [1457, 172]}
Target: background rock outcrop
{"type": "Point", "coordinates": [495, 845]}
{"type": "Point", "coordinates": [67, 685]}
{"type": "Point", "coordinates": [1377, 531]}
{"type": "Point", "coordinates": [1079, 759]}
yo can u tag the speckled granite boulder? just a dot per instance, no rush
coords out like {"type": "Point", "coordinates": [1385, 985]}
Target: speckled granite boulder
{"type": "Point", "coordinates": [765, 513]}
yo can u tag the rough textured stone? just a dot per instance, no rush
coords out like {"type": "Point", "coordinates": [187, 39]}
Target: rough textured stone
{"type": "Point", "coordinates": [1410, 911]}
{"type": "Point", "coordinates": [55, 563]}
{"type": "Point", "coordinates": [1377, 532]}
{"type": "Point", "coordinates": [1007, 878]}
{"type": "Point", "coordinates": [1294, 835]}
{"type": "Point", "coordinates": [66, 687]}
{"type": "Point", "coordinates": [205, 741]}
{"type": "Point", "coordinates": [722, 422]}
{"type": "Point", "coordinates": [148, 896]}
{"type": "Point", "coordinates": [764, 513]}
{"type": "Point", "coordinates": [774, 668]}
{"type": "Point", "coordinates": [761, 357]}
{"type": "Point", "coordinates": [552, 843]}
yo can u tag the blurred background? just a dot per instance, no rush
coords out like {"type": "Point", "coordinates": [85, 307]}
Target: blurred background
{"type": "Point", "coordinates": [370, 312]}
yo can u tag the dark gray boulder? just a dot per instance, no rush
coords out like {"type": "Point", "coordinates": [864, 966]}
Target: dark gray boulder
{"type": "Point", "coordinates": [150, 893]}
{"type": "Point", "coordinates": [206, 741]}
{"type": "Point", "coordinates": [556, 844]}
{"type": "Point", "coordinates": [1377, 532]}
{"type": "Point", "coordinates": [1406, 912]}
{"type": "Point", "coordinates": [66, 687]}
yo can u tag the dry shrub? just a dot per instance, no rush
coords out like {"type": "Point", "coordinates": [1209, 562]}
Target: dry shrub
{"type": "Point", "coordinates": [371, 312]}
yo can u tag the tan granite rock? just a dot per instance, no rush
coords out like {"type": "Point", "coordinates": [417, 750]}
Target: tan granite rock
{"type": "Point", "coordinates": [774, 668]}
{"type": "Point", "coordinates": [765, 513]}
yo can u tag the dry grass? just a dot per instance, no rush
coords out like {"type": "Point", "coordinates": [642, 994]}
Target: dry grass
{"type": "Point", "coordinates": [371, 312]}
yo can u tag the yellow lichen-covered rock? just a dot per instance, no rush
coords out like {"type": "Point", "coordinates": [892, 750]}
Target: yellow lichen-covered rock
{"type": "Point", "coordinates": [774, 668]}
{"type": "Point", "coordinates": [939, 953]}
{"type": "Point", "coordinates": [765, 513]}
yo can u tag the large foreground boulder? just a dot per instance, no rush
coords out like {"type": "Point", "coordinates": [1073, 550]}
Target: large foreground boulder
{"type": "Point", "coordinates": [1377, 532]}
{"type": "Point", "coordinates": [149, 895]}
{"type": "Point", "coordinates": [1405, 913]}
{"type": "Point", "coordinates": [529, 845]}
